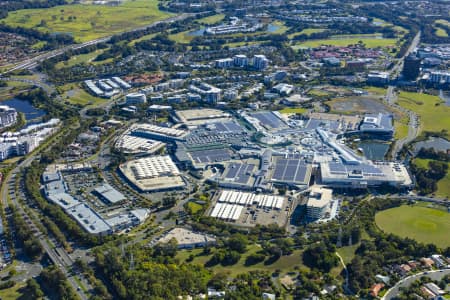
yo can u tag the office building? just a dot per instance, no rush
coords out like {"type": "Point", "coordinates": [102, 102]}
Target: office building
{"type": "Point", "coordinates": [8, 116]}
{"type": "Point", "coordinates": [260, 62]}
{"type": "Point", "coordinates": [411, 67]}
{"type": "Point", "coordinates": [135, 99]}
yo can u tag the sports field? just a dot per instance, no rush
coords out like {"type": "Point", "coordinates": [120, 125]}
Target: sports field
{"type": "Point", "coordinates": [87, 22]}
{"type": "Point", "coordinates": [426, 225]}
{"type": "Point", "coordinates": [431, 109]}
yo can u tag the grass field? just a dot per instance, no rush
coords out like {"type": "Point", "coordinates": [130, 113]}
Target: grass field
{"type": "Point", "coordinates": [76, 95]}
{"type": "Point", "coordinates": [443, 22]}
{"type": "Point", "coordinates": [297, 110]}
{"type": "Point", "coordinates": [423, 224]}
{"type": "Point", "coordinates": [318, 93]}
{"type": "Point", "coordinates": [145, 37]}
{"type": "Point", "coordinates": [88, 22]}
{"type": "Point", "coordinates": [211, 19]}
{"type": "Point", "coordinates": [182, 37]}
{"type": "Point", "coordinates": [12, 293]}
{"type": "Point", "coordinates": [307, 31]}
{"type": "Point", "coordinates": [370, 42]}
{"type": "Point", "coordinates": [433, 113]}
{"type": "Point", "coordinates": [78, 59]}
{"type": "Point", "coordinates": [441, 32]}
{"type": "Point", "coordinates": [285, 263]}
{"type": "Point", "coordinates": [443, 185]}
{"type": "Point", "coordinates": [195, 207]}
{"type": "Point", "coordinates": [401, 129]}
{"type": "Point", "coordinates": [376, 90]}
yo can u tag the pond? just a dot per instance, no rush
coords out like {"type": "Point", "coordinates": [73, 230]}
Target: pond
{"type": "Point", "coordinates": [272, 28]}
{"type": "Point", "coordinates": [31, 113]}
{"type": "Point", "coordinates": [198, 32]}
{"type": "Point", "coordinates": [374, 150]}
{"type": "Point", "coordinates": [439, 144]}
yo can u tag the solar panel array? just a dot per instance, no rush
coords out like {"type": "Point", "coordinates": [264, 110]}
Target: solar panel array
{"type": "Point", "coordinates": [227, 126]}
{"type": "Point", "coordinates": [209, 156]}
{"type": "Point", "coordinates": [268, 119]}
{"type": "Point", "coordinates": [290, 170]}
{"type": "Point", "coordinates": [337, 168]}
{"type": "Point", "coordinates": [231, 203]}
{"type": "Point", "coordinates": [239, 173]}
{"type": "Point", "coordinates": [225, 211]}
{"type": "Point", "coordinates": [247, 199]}
{"type": "Point", "coordinates": [365, 169]}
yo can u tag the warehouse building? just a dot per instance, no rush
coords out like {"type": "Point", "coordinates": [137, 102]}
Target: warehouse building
{"type": "Point", "coordinates": [164, 134]}
{"type": "Point", "coordinates": [108, 194]}
{"type": "Point", "coordinates": [187, 239]}
{"type": "Point", "coordinates": [151, 174]}
{"type": "Point", "coordinates": [196, 117]}
{"type": "Point", "coordinates": [134, 144]}
{"type": "Point", "coordinates": [249, 209]}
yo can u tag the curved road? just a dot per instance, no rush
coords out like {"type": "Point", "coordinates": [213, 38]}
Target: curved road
{"type": "Point", "coordinates": [405, 282]}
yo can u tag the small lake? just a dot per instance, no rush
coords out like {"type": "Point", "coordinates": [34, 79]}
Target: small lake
{"type": "Point", "coordinates": [198, 32]}
{"type": "Point", "coordinates": [374, 150]}
{"type": "Point", "coordinates": [439, 144]}
{"type": "Point", "coordinates": [31, 113]}
{"type": "Point", "coordinates": [272, 28]}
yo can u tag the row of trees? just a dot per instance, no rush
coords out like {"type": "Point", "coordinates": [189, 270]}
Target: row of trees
{"type": "Point", "coordinates": [25, 237]}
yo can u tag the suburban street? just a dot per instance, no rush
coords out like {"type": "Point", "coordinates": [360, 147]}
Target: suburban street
{"type": "Point", "coordinates": [434, 275]}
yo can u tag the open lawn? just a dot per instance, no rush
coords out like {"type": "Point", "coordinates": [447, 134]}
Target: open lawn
{"type": "Point", "coordinates": [145, 37]}
{"type": "Point", "coordinates": [432, 111]}
{"type": "Point", "coordinates": [347, 252]}
{"type": "Point", "coordinates": [443, 22]}
{"type": "Point", "coordinates": [426, 225]}
{"type": "Point", "coordinates": [211, 19]}
{"type": "Point", "coordinates": [441, 32]}
{"type": "Point", "coordinates": [307, 31]}
{"type": "Point", "coordinates": [401, 129]}
{"type": "Point", "coordinates": [371, 41]}
{"type": "Point", "coordinates": [297, 110]}
{"type": "Point", "coordinates": [318, 93]}
{"type": "Point", "coordinates": [376, 90]}
{"type": "Point", "coordinates": [78, 59]}
{"type": "Point", "coordinates": [12, 293]}
{"type": "Point", "coordinates": [182, 37]}
{"type": "Point", "coordinates": [76, 95]}
{"type": "Point", "coordinates": [195, 207]}
{"type": "Point", "coordinates": [285, 263]}
{"type": "Point", "coordinates": [88, 22]}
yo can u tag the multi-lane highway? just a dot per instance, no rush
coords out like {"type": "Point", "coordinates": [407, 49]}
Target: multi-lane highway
{"type": "Point", "coordinates": [57, 254]}
{"type": "Point", "coordinates": [31, 63]}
